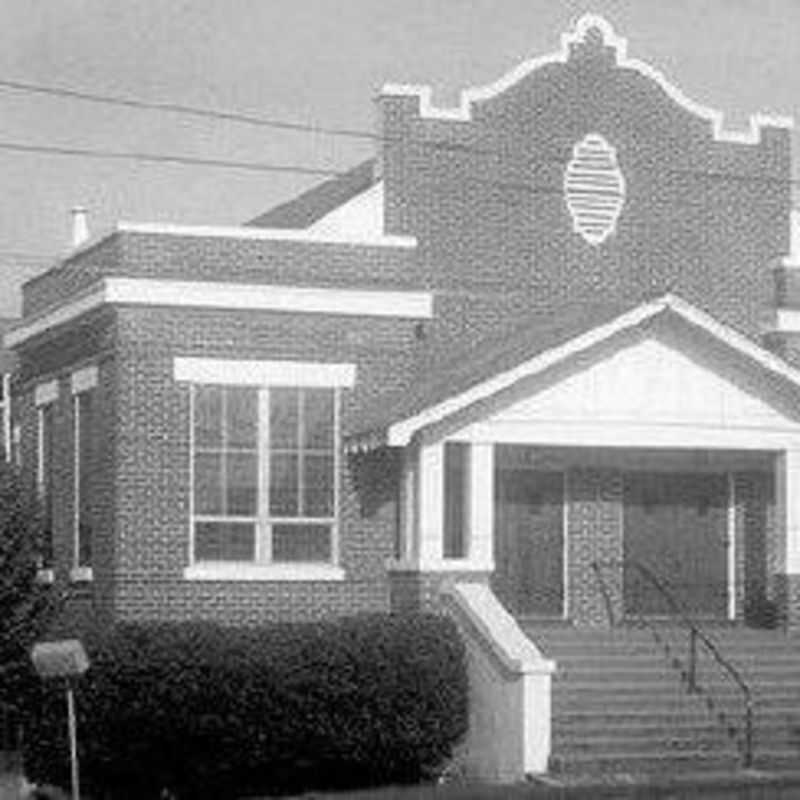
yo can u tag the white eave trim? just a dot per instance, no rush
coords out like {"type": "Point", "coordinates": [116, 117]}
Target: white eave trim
{"type": "Point", "coordinates": [83, 380]}
{"type": "Point", "coordinates": [45, 393]}
{"type": "Point", "coordinates": [264, 373]}
{"type": "Point", "coordinates": [787, 320]}
{"type": "Point", "coordinates": [463, 112]}
{"type": "Point", "coordinates": [400, 433]}
{"type": "Point", "coordinates": [229, 296]}
{"type": "Point", "coordinates": [267, 234]}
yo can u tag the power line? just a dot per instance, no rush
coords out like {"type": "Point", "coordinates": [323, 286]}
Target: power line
{"type": "Point", "coordinates": [281, 124]}
{"type": "Point", "coordinates": [181, 108]}
{"type": "Point", "coordinates": [258, 166]}
{"type": "Point", "coordinates": [237, 116]}
{"type": "Point", "coordinates": [170, 158]}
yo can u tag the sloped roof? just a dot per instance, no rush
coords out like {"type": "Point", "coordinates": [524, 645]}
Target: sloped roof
{"type": "Point", "coordinates": [542, 341]}
{"type": "Point", "coordinates": [305, 209]}
{"type": "Point", "coordinates": [472, 365]}
{"type": "Point", "coordinates": [7, 359]}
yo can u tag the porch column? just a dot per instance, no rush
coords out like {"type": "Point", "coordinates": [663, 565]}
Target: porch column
{"type": "Point", "coordinates": [481, 503]}
{"type": "Point", "coordinates": [431, 504]}
{"type": "Point", "coordinates": [788, 512]}
{"type": "Point", "coordinates": [788, 497]}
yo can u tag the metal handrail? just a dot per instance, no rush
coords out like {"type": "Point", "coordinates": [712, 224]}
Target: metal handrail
{"type": "Point", "coordinates": [695, 633]}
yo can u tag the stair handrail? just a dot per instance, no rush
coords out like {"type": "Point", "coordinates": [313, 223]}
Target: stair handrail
{"type": "Point", "coordinates": [695, 633]}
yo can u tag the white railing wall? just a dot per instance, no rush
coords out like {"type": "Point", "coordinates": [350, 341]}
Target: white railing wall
{"type": "Point", "coordinates": [509, 689]}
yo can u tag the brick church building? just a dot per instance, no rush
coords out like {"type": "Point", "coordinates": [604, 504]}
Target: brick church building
{"type": "Point", "coordinates": [545, 335]}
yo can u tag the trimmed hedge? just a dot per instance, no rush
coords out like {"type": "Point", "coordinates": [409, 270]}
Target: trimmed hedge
{"type": "Point", "coordinates": [212, 712]}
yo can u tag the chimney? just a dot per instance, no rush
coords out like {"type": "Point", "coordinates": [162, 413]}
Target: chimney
{"type": "Point", "coordinates": [80, 227]}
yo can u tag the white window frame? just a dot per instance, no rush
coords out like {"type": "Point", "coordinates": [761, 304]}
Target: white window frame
{"type": "Point", "coordinates": [265, 376]}
{"type": "Point", "coordinates": [5, 415]}
{"type": "Point", "coordinates": [44, 396]}
{"type": "Point", "coordinates": [82, 382]}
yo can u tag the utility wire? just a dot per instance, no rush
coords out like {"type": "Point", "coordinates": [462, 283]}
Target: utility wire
{"type": "Point", "coordinates": [180, 108]}
{"type": "Point", "coordinates": [280, 124]}
{"type": "Point", "coordinates": [169, 158]}
{"type": "Point", "coordinates": [259, 166]}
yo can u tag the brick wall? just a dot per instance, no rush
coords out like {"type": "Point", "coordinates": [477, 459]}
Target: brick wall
{"type": "Point", "coordinates": [704, 219]}
{"type": "Point", "coordinates": [205, 258]}
{"type": "Point", "coordinates": [154, 464]}
{"type": "Point", "coordinates": [411, 591]}
{"type": "Point", "coordinates": [89, 343]}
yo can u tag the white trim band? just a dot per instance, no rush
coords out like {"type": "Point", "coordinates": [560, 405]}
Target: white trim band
{"type": "Point", "coordinates": [463, 111]}
{"type": "Point", "coordinates": [787, 320]}
{"type": "Point", "coordinates": [81, 575]}
{"type": "Point", "coordinates": [45, 393]}
{"type": "Point", "coordinates": [266, 234]}
{"type": "Point", "coordinates": [229, 296]}
{"type": "Point", "coordinates": [84, 379]}
{"type": "Point", "coordinates": [264, 373]}
{"type": "Point", "coordinates": [220, 571]}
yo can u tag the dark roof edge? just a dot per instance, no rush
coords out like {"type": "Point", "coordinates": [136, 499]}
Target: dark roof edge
{"type": "Point", "coordinates": [319, 200]}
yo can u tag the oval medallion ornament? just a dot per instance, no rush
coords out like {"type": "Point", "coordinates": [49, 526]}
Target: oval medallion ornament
{"type": "Point", "coordinates": [594, 188]}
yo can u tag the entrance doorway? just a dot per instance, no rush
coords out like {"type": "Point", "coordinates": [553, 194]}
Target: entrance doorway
{"type": "Point", "coordinates": [676, 524]}
{"type": "Point", "coordinates": [529, 541]}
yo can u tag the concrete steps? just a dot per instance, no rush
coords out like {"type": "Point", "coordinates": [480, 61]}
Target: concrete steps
{"type": "Point", "coordinates": [619, 704]}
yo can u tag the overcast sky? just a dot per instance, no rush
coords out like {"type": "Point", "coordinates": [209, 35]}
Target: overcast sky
{"type": "Point", "coordinates": [310, 61]}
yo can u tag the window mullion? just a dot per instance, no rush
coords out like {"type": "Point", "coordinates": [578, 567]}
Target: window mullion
{"type": "Point", "coordinates": [263, 526]}
{"type": "Point", "coordinates": [223, 477]}
{"type": "Point", "coordinates": [77, 467]}
{"type": "Point", "coordinates": [301, 414]}
{"type": "Point", "coordinates": [336, 463]}
{"type": "Point", "coordinates": [192, 460]}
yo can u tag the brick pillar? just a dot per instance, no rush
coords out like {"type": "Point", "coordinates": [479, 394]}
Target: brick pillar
{"type": "Point", "coordinates": [594, 533]}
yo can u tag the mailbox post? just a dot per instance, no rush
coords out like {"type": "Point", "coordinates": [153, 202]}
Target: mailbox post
{"type": "Point", "coordinates": [67, 660]}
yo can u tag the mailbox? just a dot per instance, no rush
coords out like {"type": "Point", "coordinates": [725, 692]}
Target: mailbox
{"type": "Point", "coordinates": [64, 659]}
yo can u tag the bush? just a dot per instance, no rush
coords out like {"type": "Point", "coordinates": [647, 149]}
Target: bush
{"type": "Point", "coordinates": [26, 605]}
{"type": "Point", "coordinates": [217, 712]}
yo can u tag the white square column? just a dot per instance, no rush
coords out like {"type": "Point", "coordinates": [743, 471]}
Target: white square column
{"type": "Point", "coordinates": [788, 509]}
{"type": "Point", "coordinates": [430, 508]}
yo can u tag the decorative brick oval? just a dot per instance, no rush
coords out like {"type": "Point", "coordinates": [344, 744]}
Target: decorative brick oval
{"type": "Point", "coordinates": [594, 188]}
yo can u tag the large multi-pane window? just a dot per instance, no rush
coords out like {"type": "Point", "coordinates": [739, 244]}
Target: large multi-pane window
{"type": "Point", "coordinates": [44, 474]}
{"type": "Point", "coordinates": [5, 417]}
{"type": "Point", "coordinates": [264, 474]}
{"type": "Point", "coordinates": [85, 436]}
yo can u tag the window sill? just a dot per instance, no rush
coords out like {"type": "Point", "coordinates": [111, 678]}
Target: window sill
{"type": "Point", "coordinates": [441, 565]}
{"type": "Point", "coordinates": [263, 572]}
{"type": "Point", "coordinates": [45, 576]}
{"type": "Point", "coordinates": [81, 575]}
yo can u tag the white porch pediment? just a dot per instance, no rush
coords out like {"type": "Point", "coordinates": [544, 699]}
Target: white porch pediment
{"type": "Point", "coordinates": [649, 391]}
{"type": "Point", "coordinates": [662, 375]}
{"type": "Point", "coordinates": [649, 382]}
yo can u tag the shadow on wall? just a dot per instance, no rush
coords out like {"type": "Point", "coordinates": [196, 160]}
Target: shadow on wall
{"type": "Point", "coordinates": [376, 478]}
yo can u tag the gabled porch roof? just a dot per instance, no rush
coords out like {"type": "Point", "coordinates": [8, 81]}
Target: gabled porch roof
{"type": "Point", "coordinates": [477, 375]}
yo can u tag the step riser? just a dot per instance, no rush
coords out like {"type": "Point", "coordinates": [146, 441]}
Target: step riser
{"type": "Point", "coordinates": [620, 705]}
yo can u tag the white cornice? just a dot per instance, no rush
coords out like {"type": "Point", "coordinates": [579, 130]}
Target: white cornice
{"type": "Point", "coordinates": [226, 295]}
{"type": "Point", "coordinates": [400, 433]}
{"type": "Point", "coordinates": [251, 372]}
{"type": "Point", "coordinates": [267, 234]}
{"type": "Point", "coordinates": [463, 112]}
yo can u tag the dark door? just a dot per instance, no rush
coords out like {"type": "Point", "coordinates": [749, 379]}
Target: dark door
{"type": "Point", "coordinates": [676, 524]}
{"type": "Point", "coordinates": [529, 541]}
